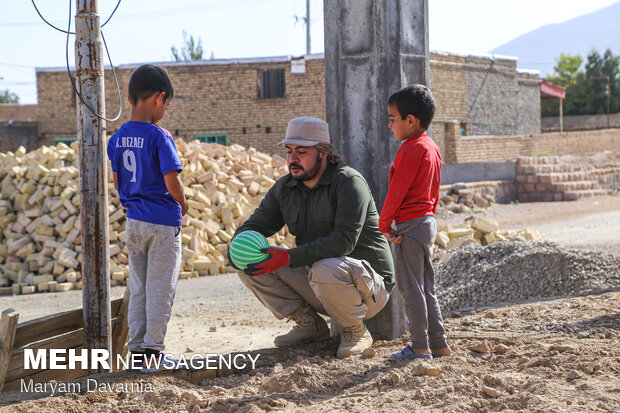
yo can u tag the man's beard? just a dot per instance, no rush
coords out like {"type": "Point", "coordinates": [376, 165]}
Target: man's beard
{"type": "Point", "coordinates": [307, 175]}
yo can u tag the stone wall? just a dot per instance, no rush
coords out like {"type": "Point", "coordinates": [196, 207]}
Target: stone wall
{"type": "Point", "coordinates": [222, 97]}
{"type": "Point", "coordinates": [581, 122]}
{"type": "Point", "coordinates": [500, 100]}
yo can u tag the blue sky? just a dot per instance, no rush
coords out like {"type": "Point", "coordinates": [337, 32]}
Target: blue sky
{"type": "Point", "coordinates": [245, 28]}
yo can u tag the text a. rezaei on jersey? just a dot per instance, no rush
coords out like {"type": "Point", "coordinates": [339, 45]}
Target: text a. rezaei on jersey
{"type": "Point", "coordinates": [129, 142]}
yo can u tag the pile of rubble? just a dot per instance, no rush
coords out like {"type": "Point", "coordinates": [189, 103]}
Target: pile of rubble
{"type": "Point", "coordinates": [40, 225]}
{"type": "Point", "coordinates": [461, 198]}
{"type": "Point", "coordinates": [480, 231]}
{"type": "Point", "coordinates": [475, 276]}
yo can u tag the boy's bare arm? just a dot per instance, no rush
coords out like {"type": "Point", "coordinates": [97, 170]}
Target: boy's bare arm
{"type": "Point", "coordinates": [175, 187]}
{"type": "Point", "coordinates": [115, 181]}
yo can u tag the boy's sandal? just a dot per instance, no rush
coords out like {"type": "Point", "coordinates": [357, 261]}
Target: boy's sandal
{"type": "Point", "coordinates": [408, 354]}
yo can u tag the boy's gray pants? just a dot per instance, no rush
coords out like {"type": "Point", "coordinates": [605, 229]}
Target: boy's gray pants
{"type": "Point", "coordinates": [154, 264]}
{"type": "Point", "coordinates": [415, 280]}
{"type": "Point", "coordinates": [346, 289]}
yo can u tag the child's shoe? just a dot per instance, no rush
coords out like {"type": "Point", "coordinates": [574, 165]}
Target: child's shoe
{"type": "Point", "coordinates": [138, 365]}
{"type": "Point", "coordinates": [408, 354]}
{"type": "Point", "coordinates": [152, 361]}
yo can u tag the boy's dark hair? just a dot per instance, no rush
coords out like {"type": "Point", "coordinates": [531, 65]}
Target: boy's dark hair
{"type": "Point", "coordinates": [415, 100]}
{"type": "Point", "coordinates": [147, 80]}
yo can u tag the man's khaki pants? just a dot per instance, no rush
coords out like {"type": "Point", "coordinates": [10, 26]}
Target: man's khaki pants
{"type": "Point", "coordinates": [346, 289]}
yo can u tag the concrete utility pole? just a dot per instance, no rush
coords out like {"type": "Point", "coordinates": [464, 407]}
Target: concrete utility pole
{"type": "Point", "coordinates": [93, 177]}
{"type": "Point", "coordinates": [372, 48]}
{"type": "Point", "coordinates": [308, 27]}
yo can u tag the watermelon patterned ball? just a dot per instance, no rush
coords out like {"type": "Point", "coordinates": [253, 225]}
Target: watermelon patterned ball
{"type": "Point", "coordinates": [245, 248]}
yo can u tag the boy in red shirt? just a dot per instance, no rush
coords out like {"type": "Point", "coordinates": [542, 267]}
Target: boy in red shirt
{"type": "Point", "coordinates": [408, 219]}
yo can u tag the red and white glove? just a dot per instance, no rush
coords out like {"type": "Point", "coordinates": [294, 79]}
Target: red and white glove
{"type": "Point", "coordinates": [278, 259]}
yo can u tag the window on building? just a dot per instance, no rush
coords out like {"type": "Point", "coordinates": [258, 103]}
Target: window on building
{"type": "Point", "coordinates": [66, 141]}
{"type": "Point", "coordinates": [464, 129]}
{"type": "Point", "coordinates": [272, 84]}
{"type": "Point", "coordinates": [221, 139]}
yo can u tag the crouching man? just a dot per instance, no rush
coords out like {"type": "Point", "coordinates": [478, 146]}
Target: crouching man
{"type": "Point", "coordinates": [341, 266]}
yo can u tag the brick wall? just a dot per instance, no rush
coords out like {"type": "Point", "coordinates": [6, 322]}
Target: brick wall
{"type": "Point", "coordinates": [10, 111]}
{"type": "Point", "coordinates": [547, 179]}
{"type": "Point", "coordinates": [221, 96]}
{"type": "Point", "coordinates": [18, 133]}
{"type": "Point", "coordinates": [461, 149]}
{"type": "Point", "coordinates": [208, 99]}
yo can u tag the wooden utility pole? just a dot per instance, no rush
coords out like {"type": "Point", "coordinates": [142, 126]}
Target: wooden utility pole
{"type": "Point", "coordinates": [93, 177]}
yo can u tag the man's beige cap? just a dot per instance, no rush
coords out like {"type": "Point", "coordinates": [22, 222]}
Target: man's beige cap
{"type": "Point", "coordinates": [306, 131]}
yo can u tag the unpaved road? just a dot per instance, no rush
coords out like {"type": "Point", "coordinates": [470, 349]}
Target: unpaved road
{"type": "Point", "coordinates": [559, 354]}
{"type": "Point", "coordinates": [218, 314]}
{"type": "Point", "coordinates": [590, 223]}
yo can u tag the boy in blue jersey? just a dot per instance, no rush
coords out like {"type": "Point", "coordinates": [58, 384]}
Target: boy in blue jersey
{"type": "Point", "coordinates": [146, 165]}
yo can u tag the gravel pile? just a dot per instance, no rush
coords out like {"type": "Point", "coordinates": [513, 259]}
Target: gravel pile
{"type": "Point", "coordinates": [506, 271]}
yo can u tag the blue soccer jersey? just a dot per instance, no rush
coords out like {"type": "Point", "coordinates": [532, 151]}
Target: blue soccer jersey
{"type": "Point", "coordinates": [141, 154]}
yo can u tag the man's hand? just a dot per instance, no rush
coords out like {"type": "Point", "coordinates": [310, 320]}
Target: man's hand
{"type": "Point", "coordinates": [278, 259]}
{"type": "Point", "coordinates": [231, 263]}
{"type": "Point", "coordinates": [391, 236]}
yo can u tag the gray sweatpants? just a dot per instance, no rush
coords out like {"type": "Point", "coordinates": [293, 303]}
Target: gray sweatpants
{"type": "Point", "coordinates": [154, 264]}
{"type": "Point", "coordinates": [346, 289]}
{"type": "Point", "coordinates": [415, 280]}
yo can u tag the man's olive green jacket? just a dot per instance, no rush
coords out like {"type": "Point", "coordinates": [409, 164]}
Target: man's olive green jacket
{"type": "Point", "coordinates": [336, 218]}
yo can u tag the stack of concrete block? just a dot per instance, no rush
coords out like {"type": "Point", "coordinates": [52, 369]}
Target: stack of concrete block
{"type": "Point", "coordinates": [544, 179]}
{"type": "Point", "coordinates": [40, 225]}
{"type": "Point", "coordinates": [479, 230]}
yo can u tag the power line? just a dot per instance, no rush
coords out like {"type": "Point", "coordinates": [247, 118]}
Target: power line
{"type": "Point", "coordinates": [17, 83]}
{"type": "Point", "coordinates": [69, 32]}
{"type": "Point", "coordinates": [222, 4]}
{"type": "Point", "coordinates": [61, 30]}
{"type": "Point", "coordinates": [118, 90]}
{"type": "Point", "coordinates": [16, 65]}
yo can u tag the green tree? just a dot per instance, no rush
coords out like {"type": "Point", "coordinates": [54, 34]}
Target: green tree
{"type": "Point", "coordinates": [6, 96]}
{"type": "Point", "coordinates": [586, 90]}
{"type": "Point", "coordinates": [191, 50]}
{"type": "Point", "coordinates": [566, 70]}
{"type": "Point", "coordinates": [591, 89]}
{"type": "Point", "coordinates": [565, 73]}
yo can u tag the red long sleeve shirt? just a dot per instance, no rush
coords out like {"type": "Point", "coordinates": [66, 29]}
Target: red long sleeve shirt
{"type": "Point", "coordinates": [413, 190]}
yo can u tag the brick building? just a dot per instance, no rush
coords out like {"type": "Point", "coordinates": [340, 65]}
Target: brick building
{"type": "Point", "coordinates": [249, 101]}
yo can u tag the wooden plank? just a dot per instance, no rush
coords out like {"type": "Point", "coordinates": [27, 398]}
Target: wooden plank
{"type": "Point", "coordinates": [19, 371]}
{"type": "Point", "coordinates": [68, 340]}
{"type": "Point", "coordinates": [55, 324]}
{"type": "Point", "coordinates": [8, 325]}
{"type": "Point", "coordinates": [44, 377]}
{"type": "Point", "coordinates": [120, 331]}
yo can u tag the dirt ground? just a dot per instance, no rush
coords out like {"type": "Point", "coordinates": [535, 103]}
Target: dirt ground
{"type": "Point", "coordinates": [558, 354]}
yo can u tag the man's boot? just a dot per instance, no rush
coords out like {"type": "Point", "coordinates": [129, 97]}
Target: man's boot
{"type": "Point", "coordinates": [310, 328]}
{"type": "Point", "coordinates": [353, 340]}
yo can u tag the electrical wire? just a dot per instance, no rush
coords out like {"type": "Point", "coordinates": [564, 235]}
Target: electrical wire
{"type": "Point", "coordinates": [69, 31]}
{"type": "Point", "coordinates": [120, 100]}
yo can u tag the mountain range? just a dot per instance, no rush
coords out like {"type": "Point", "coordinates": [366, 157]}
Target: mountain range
{"type": "Point", "coordinates": [539, 48]}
